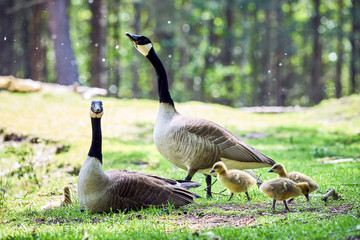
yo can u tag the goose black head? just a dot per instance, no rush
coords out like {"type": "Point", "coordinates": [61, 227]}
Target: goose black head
{"type": "Point", "coordinates": [96, 110]}
{"type": "Point", "coordinates": [141, 43]}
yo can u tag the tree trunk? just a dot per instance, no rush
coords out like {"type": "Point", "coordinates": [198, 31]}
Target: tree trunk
{"type": "Point", "coordinates": [164, 15]}
{"type": "Point", "coordinates": [6, 38]}
{"type": "Point", "coordinates": [209, 59]}
{"type": "Point", "coordinates": [228, 49]}
{"type": "Point", "coordinates": [340, 50]}
{"type": "Point", "coordinates": [117, 76]}
{"type": "Point", "coordinates": [98, 43]}
{"type": "Point", "coordinates": [265, 85]}
{"type": "Point", "coordinates": [254, 62]}
{"type": "Point", "coordinates": [355, 44]}
{"type": "Point", "coordinates": [280, 81]}
{"type": "Point", "coordinates": [66, 68]}
{"type": "Point", "coordinates": [135, 62]}
{"type": "Point", "coordinates": [190, 86]}
{"type": "Point", "coordinates": [316, 88]}
{"type": "Point", "coordinates": [37, 53]}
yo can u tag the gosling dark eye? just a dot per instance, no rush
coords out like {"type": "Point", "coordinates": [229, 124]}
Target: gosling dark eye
{"type": "Point", "coordinates": [275, 167]}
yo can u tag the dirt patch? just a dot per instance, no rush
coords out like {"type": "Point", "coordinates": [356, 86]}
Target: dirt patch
{"type": "Point", "coordinates": [246, 215]}
{"type": "Point", "coordinates": [14, 139]}
{"type": "Point", "coordinates": [53, 221]}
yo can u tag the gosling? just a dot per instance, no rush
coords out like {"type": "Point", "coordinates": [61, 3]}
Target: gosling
{"type": "Point", "coordinates": [297, 177]}
{"type": "Point", "coordinates": [66, 201]}
{"type": "Point", "coordinates": [236, 181]}
{"type": "Point", "coordinates": [280, 189]}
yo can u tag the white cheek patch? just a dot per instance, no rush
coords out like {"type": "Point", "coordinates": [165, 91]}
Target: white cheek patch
{"type": "Point", "coordinates": [144, 49]}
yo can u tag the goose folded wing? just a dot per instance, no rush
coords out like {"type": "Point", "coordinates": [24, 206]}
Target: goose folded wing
{"type": "Point", "coordinates": [129, 173]}
{"type": "Point", "coordinates": [137, 190]}
{"type": "Point", "coordinates": [230, 147]}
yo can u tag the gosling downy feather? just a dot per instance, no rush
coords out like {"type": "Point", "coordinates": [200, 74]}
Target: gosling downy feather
{"type": "Point", "coordinates": [280, 189]}
{"type": "Point", "coordinates": [236, 181]}
{"type": "Point", "coordinates": [194, 144]}
{"type": "Point", "coordinates": [279, 169]}
{"type": "Point", "coordinates": [119, 189]}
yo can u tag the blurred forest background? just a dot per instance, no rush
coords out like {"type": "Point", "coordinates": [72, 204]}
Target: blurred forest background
{"type": "Point", "coordinates": [233, 52]}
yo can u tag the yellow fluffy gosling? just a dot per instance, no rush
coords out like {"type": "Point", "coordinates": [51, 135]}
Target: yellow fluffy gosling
{"type": "Point", "coordinates": [235, 181]}
{"type": "Point", "coordinates": [280, 189]}
{"type": "Point", "coordinates": [297, 177]}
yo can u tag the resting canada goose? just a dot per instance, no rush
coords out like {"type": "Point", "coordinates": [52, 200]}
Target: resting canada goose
{"type": "Point", "coordinates": [119, 189]}
{"type": "Point", "coordinates": [279, 169]}
{"type": "Point", "coordinates": [281, 189]}
{"type": "Point", "coordinates": [194, 144]}
{"type": "Point", "coordinates": [234, 180]}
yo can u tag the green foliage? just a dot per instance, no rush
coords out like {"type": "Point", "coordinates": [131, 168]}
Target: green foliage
{"type": "Point", "coordinates": [229, 52]}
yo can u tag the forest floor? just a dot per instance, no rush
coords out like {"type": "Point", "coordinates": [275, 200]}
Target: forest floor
{"type": "Point", "coordinates": [45, 138]}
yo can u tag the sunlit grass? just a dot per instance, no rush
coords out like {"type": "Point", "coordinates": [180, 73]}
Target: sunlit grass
{"type": "Point", "coordinates": [296, 139]}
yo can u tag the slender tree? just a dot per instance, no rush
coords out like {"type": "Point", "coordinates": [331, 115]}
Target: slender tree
{"type": "Point", "coordinates": [117, 39]}
{"type": "Point", "coordinates": [355, 44]}
{"type": "Point", "coordinates": [316, 88]}
{"type": "Point", "coordinates": [266, 82]}
{"type": "Point", "coordinates": [254, 59]}
{"type": "Point", "coordinates": [98, 43]}
{"type": "Point", "coordinates": [228, 48]}
{"type": "Point", "coordinates": [6, 38]}
{"type": "Point", "coordinates": [279, 53]}
{"type": "Point", "coordinates": [135, 63]}
{"type": "Point", "coordinates": [36, 48]}
{"type": "Point", "coordinates": [340, 50]}
{"type": "Point", "coordinates": [66, 68]}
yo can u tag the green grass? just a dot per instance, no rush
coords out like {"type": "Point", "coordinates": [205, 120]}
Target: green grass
{"type": "Point", "coordinates": [331, 129]}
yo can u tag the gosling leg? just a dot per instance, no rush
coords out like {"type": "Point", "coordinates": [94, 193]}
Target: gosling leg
{"type": "Point", "coordinates": [231, 195]}
{"type": "Point", "coordinates": [273, 206]}
{"type": "Point", "coordinates": [286, 206]}
{"type": "Point", "coordinates": [247, 195]}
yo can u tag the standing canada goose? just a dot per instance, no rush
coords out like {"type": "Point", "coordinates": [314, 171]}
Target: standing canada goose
{"type": "Point", "coordinates": [194, 144]}
{"type": "Point", "coordinates": [119, 189]}
{"type": "Point", "coordinates": [279, 169]}
{"type": "Point", "coordinates": [281, 189]}
{"type": "Point", "coordinates": [234, 180]}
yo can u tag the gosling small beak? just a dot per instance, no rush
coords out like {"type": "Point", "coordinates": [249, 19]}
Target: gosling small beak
{"type": "Point", "coordinates": [271, 170]}
{"type": "Point", "coordinates": [212, 171]}
{"type": "Point", "coordinates": [307, 197]}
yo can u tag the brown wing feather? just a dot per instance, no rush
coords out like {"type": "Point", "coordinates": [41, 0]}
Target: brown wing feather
{"type": "Point", "coordinates": [230, 147]}
{"type": "Point", "coordinates": [132, 190]}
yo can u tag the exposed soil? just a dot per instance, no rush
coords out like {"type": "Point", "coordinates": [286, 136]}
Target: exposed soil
{"type": "Point", "coordinates": [247, 215]}
{"type": "Point", "coordinates": [13, 139]}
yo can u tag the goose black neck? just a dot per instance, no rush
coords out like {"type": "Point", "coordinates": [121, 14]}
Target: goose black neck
{"type": "Point", "coordinates": [95, 149]}
{"type": "Point", "coordinates": [163, 87]}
